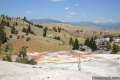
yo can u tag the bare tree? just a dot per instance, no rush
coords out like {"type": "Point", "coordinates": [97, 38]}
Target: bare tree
{"type": "Point", "coordinates": [79, 62]}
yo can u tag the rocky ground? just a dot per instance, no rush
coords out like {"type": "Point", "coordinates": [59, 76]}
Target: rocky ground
{"type": "Point", "coordinates": [15, 71]}
{"type": "Point", "coordinates": [63, 66]}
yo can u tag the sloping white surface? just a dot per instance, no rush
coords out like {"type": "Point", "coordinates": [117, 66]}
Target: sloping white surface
{"type": "Point", "coordinates": [14, 71]}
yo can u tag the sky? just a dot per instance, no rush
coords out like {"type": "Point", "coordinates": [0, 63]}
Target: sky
{"type": "Point", "coordinates": [63, 10]}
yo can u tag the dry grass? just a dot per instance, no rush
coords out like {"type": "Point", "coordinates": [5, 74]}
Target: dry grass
{"type": "Point", "coordinates": [40, 44]}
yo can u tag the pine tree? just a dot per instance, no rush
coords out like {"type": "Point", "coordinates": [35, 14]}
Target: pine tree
{"type": "Point", "coordinates": [45, 31]}
{"type": "Point", "coordinates": [76, 45]}
{"type": "Point", "coordinates": [23, 57]}
{"type": "Point", "coordinates": [29, 29]}
{"type": "Point", "coordinates": [24, 30]}
{"type": "Point", "coordinates": [0, 47]}
{"type": "Point", "coordinates": [71, 41]}
{"type": "Point", "coordinates": [7, 58]}
{"type": "Point", "coordinates": [91, 43]}
{"type": "Point", "coordinates": [115, 49]}
{"type": "Point", "coordinates": [87, 42]}
{"type": "Point", "coordinates": [111, 38]}
{"type": "Point", "coordinates": [3, 23]}
{"type": "Point", "coordinates": [24, 18]}
{"type": "Point", "coordinates": [7, 48]}
{"type": "Point", "coordinates": [13, 30]}
{"type": "Point", "coordinates": [23, 52]}
{"type": "Point", "coordinates": [3, 37]}
{"type": "Point", "coordinates": [108, 46]}
{"type": "Point", "coordinates": [59, 29]}
{"type": "Point", "coordinates": [8, 24]}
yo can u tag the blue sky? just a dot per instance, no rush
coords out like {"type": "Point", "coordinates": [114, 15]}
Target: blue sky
{"type": "Point", "coordinates": [64, 10]}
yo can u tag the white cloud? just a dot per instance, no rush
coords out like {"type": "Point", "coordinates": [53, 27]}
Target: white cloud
{"type": "Point", "coordinates": [72, 15]}
{"type": "Point", "coordinates": [56, 0]}
{"type": "Point", "coordinates": [67, 8]}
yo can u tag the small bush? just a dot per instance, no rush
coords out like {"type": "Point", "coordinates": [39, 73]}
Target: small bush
{"type": "Point", "coordinates": [7, 58]}
{"type": "Point", "coordinates": [23, 57]}
{"type": "Point", "coordinates": [13, 30]}
{"type": "Point", "coordinates": [115, 49]}
{"type": "Point", "coordinates": [32, 62]}
{"type": "Point", "coordinates": [24, 30]}
{"type": "Point", "coordinates": [28, 30]}
{"type": "Point", "coordinates": [10, 36]}
{"type": "Point", "coordinates": [3, 37]}
{"type": "Point", "coordinates": [22, 36]}
{"type": "Point", "coordinates": [57, 37]}
{"type": "Point", "coordinates": [45, 32]}
{"type": "Point", "coordinates": [22, 60]}
{"type": "Point", "coordinates": [59, 29]}
{"type": "Point", "coordinates": [39, 26]}
{"type": "Point", "coordinates": [28, 39]}
{"type": "Point", "coordinates": [18, 37]}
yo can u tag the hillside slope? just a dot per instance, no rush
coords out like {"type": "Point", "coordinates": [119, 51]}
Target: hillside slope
{"type": "Point", "coordinates": [36, 42]}
{"type": "Point", "coordinates": [54, 40]}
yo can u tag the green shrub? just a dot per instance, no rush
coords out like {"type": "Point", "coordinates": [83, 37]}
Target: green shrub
{"type": "Point", "coordinates": [32, 62]}
{"type": "Point", "coordinates": [28, 39]}
{"type": "Point", "coordinates": [45, 31]}
{"type": "Point", "coordinates": [23, 57]}
{"type": "Point", "coordinates": [115, 49]}
{"type": "Point", "coordinates": [10, 36]}
{"type": "Point", "coordinates": [7, 58]}
{"type": "Point", "coordinates": [57, 37]}
{"type": "Point", "coordinates": [3, 37]}
{"type": "Point", "coordinates": [39, 26]}
{"type": "Point", "coordinates": [71, 41]}
{"type": "Point", "coordinates": [22, 60]}
{"type": "Point", "coordinates": [24, 30]}
{"type": "Point", "coordinates": [90, 42]}
{"type": "Point", "coordinates": [13, 30]}
{"type": "Point", "coordinates": [22, 36]}
{"type": "Point", "coordinates": [76, 45]}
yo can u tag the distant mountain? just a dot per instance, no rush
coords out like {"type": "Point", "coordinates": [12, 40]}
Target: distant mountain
{"type": "Point", "coordinates": [42, 21]}
{"type": "Point", "coordinates": [84, 24]}
{"type": "Point", "coordinates": [101, 25]}
{"type": "Point", "coordinates": [107, 25]}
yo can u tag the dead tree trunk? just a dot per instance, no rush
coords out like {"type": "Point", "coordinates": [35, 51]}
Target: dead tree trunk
{"type": "Point", "coordinates": [79, 63]}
